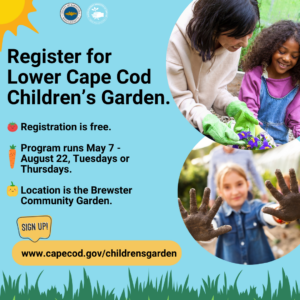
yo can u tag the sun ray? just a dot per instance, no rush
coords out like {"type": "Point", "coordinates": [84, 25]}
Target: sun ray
{"type": "Point", "coordinates": [21, 19]}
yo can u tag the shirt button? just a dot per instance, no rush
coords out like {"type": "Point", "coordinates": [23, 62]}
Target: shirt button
{"type": "Point", "coordinates": [242, 243]}
{"type": "Point", "coordinates": [254, 224]}
{"type": "Point", "coordinates": [245, 263]}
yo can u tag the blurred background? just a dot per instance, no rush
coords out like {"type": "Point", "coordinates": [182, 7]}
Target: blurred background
{"type": "Point", "coordinates": [194, 174]}
{"type": "Point", "coordinates": [275, 10]}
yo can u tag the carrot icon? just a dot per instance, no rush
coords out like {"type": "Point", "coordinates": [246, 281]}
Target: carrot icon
{"type": "Point", "coordinates": [12, 155]}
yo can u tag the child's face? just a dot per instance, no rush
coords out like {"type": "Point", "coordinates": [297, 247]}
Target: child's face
{"type": "Point", "coordinates": [234, 190]}
{"type": "Point", "coordinates": [285, 58]}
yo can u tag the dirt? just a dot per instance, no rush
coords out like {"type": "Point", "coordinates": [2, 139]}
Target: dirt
{"type": "Point", "coordinates": [286, 240]}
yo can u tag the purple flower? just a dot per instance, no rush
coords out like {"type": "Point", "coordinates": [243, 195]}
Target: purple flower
{"type": "Point", "coordinates": [253, 142]}
{"type": "Point", "coordinates": [265, 145]}
{"type": "Point", "coordinates": [235, 146]}
{"type": "Point", "coordinates": [244, 135]}
{"type": "Point", "coordinates": [264, 136]}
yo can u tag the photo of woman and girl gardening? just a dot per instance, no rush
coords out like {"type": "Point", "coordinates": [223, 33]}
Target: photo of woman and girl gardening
{"type": "Point", "coordinates": [242, 206]}
{"type": "Point", "coordinates": [234, 71]}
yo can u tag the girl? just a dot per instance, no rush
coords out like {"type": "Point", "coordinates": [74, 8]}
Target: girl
{"type": "Point", "coordinates": [238, 223]}
{"type": "Point", "coordinates": [202, 58]}
{"type": "Point", "coordinates": [270, 86]}
{"type": "Point", "coordinates": [246, 243]}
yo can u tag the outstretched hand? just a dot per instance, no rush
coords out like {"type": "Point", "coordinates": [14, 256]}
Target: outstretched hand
{"type": "Point", "coordinates": [199, 221]}
{"type": "Point", "coordinates": [289, 200]}
{"type": "Point", "coordinates": [220, 132]}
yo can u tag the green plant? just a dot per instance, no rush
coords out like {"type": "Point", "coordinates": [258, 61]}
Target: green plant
{"type": "Point", "coordinates": [163, 289]}
{"type": "Point", "coordinates": [192, 176]}
{"type": "Point", "coordinates": [267, 175]}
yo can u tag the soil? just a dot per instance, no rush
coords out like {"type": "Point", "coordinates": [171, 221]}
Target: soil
{"type": "Point", "coordinates": [286, 240]}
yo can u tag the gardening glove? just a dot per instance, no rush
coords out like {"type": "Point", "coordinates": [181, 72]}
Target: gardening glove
{"type": "Point", "coordinates": [220, 132]}
{"type": "Point", "coordinates": [258, 130]}
{"type": "Point", "coordinates": [199, 221]}
{"type": "Point", "coordinates": [245, 121]}
{"type": "Point", "coordinates": [289, 200]}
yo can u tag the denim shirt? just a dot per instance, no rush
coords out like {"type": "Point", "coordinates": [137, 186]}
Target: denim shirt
{"type": "Point", "coordinates": [246, 243]}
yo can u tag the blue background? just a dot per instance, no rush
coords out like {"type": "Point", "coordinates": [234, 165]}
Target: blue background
{"type": "Point", "coordinates": [156, 137]}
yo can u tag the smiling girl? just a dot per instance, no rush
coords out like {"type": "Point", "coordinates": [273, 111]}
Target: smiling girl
{"type": "Point", "coordinates": [238, 223]}
{"type": "Point", "coordinates": [246, 243]}
{"type": "Point", "coordinates": [271, 83]}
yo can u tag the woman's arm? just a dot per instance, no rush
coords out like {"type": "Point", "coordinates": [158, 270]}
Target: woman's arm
{"type": "Point", "coordinates": [224, 98]}
{"type": "Point", "coordinates": [232, 106]}
{"type": "Point", "coordinates": [178, 79]}
{"type": "Point", "coordinates": [194, 112]}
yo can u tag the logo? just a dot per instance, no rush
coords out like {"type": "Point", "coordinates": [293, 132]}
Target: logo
{"type": "Point", "coordinates": [97, 13]}
{"type": "Point", "coordinates": [70, 13]}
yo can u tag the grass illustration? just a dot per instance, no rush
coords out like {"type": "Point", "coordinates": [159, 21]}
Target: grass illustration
{"type": "Point", "coordinates": [163, 289]}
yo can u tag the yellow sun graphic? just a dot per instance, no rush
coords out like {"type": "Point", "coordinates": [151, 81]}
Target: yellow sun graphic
{"type": "Point", "coordinates": [13, 14]}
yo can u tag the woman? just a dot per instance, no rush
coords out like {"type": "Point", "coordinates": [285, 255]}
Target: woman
{"type": "Point", "coordinates": [202, 58]}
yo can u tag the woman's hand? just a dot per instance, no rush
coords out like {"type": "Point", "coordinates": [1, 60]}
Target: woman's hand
{"type": "Point", "coordinates": [220, 132]}
{"type": "Point", "coordinates": [245, 120]}
{"type": "Point", "coordinates": [199, 221]}
{"type": "Point", "coordinates": [289, 200]}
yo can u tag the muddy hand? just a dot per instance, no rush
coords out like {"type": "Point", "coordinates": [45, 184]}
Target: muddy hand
{"type": "Point", "coordinates": [289, 200]}
{"type": "Point", "coordinates": [199, 221]}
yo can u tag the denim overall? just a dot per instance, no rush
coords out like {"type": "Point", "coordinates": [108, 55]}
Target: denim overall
{"type": "Point", "coordinates": [272, 113]}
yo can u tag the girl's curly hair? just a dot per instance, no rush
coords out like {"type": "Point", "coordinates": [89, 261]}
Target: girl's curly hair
{"type": "Point", "coordinates": [268, 42]}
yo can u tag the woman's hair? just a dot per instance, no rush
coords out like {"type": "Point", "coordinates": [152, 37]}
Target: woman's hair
{"type": "Point", "coordinates": [228, 168]}
{"type": "Point", "coordinates": [213, 17]}
{"type": "Point", "coordinates": [268, 42]}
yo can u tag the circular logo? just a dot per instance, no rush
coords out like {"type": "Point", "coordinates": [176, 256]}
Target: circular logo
{"type": "Point", "coordinates": [97, 13]}
{"type": "Point", "coordinates": [70, 13]}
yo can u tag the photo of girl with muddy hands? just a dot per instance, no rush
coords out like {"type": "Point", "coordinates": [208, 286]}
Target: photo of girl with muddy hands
{"type": "Point", "coordinates": [241, 206]}
{"type": "Point", "coordinates": [203, 57]}
{"type": "Point", "coordinates": [238, 223]}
